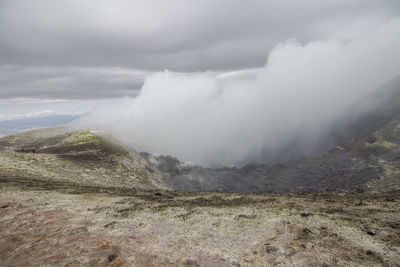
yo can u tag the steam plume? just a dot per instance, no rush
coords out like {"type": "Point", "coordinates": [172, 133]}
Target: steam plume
{"type": "Point", "coordinates": [230, 119]}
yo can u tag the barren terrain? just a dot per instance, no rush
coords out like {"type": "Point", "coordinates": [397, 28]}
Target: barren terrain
{"type": "Point", "coordinates": [85, 200]}
{"type": "Point", "coordinates": [43, 224]}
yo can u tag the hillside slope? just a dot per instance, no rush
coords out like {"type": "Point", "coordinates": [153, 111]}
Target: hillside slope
{"type": "Point", "coordinates": [86, 158]}
{"type": "Point", "coordinates": [78, 157]}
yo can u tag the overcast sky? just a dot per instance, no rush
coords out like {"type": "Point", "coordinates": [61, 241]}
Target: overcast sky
{"type": "Point", "coordinates": [102, 49]}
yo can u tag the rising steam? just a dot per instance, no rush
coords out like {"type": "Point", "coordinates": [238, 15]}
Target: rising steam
{"type": "Point", "coordinates": [230, 119]}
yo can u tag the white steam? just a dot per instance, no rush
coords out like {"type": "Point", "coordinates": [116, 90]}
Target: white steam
{"type": "Point", "coordinates": [228, 119]}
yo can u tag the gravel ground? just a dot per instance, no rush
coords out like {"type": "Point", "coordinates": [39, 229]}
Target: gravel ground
{"type": "Point", "coordinates": [71, 225]}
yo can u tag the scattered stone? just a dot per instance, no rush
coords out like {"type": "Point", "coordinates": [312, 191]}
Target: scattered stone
{"type": "Point", "coordinates": [305, 214]}
{"type": "Point", "coordinates": [359, 203]}
{"type": "Point", "coordinates": [184, 216]}
{"type": "Point", "coordinates": [369, 252]}
{"type": "Point", "coordinates": [190, 262]}
{"type": "Point", "coordinates": [112, 257]}
{"type": "Point", "coordinates": [306, 231]}
{"type": "Point", "coordinates": [110, 224]}
{"type": "Point", "coordinates": [5, 206]}
{"type": "Point", "coordinates": [370, 232]}
{"type": "Point", "coordinates": [244, 216]}
{"type": "Point", "coordinates": [271, 249]}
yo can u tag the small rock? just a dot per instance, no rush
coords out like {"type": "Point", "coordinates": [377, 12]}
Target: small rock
{"type": "Point", "coordinates": [271, 249]}
{"type": "Point", "coordinates": [110, 224]}
{"type": "Point", "coordinates": [190, 262]}
{"type": "Point", "coordinates": [369, 252]}
{"type": "Point", "coordinates": [5, 206]}
{"type": "Point", "coordinates": [306, 231]}
{"type": "Point", "coordinates": [112, 257]}
{"type": "Point", "coordinates": [244, 216]}
{"type": "Point", "coordinates": [371, 232]}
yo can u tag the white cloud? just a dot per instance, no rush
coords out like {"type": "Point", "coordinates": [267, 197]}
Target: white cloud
{"type": "Point", "coordinates": [91, 49]}
{"type": "Point", "coordinates": [300, 93]}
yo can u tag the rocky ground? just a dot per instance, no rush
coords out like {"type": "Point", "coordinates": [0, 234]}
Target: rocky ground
{"type": "Point", "coordinates": [68, 225]}
{"type": "Point", "coordinates": [83, 199]}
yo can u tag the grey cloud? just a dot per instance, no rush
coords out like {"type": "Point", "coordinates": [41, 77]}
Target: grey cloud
{"type": "Point", "coordinates": [136, 33]}
{"type": "Point", "coordinates": [152, 35]}
{"type": "Point", "coordinates": [68, 83]}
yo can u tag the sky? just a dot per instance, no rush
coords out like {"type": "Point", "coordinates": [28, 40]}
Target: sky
{"type": "Point", "coordinates": [100, 49]}
{"type": "Point", "coordinates": [68, 57]}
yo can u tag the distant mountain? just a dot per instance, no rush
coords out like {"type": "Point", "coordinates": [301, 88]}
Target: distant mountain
{"type": "Point", "coordinates": [15, 126]}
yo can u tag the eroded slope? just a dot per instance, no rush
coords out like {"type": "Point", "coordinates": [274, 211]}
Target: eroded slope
{"type": "Point", "coordinates": [78, 157]}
